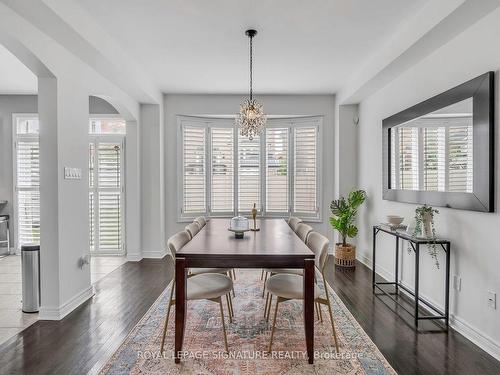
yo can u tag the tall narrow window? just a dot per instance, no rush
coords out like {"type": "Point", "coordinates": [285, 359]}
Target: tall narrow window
{"type": "Point", "coordinates": [305, 170]}
{"type": "Point", "coordinates": [277, 192]}
{"type": "Point", "coordinates": [248, 173]}
{"type": "Point", "coordinates": [194, 177]}
{"type": "Point", "coordinates": [27, 180]}
{"type": "Point", "coordinates": [222, 177]}
{"type": "Point", "coordinates": [106, 185]}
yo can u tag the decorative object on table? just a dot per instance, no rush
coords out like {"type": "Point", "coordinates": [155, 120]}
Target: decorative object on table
{"type": "Point", "coordinates": [239, 225]}
{"type": "Point", "coordinates": [344, 215]}
{"type": "Point", "coordinates": [401, 227]}
{"type": "Point", "coordinates": [395, 219]}
{"type": "Point", "coordinates": [254, 216]}
{"type": "Point", "coordinates": [425, 228]}
{"type": "Point", "coordinates": [251, 120]}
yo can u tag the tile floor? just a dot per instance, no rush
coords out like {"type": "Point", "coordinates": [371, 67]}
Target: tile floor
{"type": "Point", "coordinates": [12, 319]}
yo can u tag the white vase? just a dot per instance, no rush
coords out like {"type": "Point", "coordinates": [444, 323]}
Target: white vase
{"type": "Point", "coordinates": [426, 224]}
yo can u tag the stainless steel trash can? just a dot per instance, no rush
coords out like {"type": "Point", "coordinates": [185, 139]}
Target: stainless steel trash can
{"type": "Point", "coordinates": [30, 264]}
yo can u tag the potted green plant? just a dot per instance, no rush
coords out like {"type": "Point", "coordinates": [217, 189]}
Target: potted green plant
{"type": "Point", "coordinates": [425, 227]}
{"type": "Point", "coordinates": [343, 219]}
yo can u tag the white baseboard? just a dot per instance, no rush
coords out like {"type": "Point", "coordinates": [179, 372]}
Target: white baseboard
{"type": "Point", "coordinates": [134, 257]}
{"type": "Point", "coordinates": [154, 254]}
{"type": "Point", "coordinates": [479, 338]}
{"type": "Point", "coordinates": [57, 313]}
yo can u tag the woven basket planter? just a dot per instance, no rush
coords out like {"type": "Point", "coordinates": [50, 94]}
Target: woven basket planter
{"type": "Point", "coordinates": [345, 256]}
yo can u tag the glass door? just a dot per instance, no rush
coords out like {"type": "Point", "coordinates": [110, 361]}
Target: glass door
{"type": "Point", "coordinates": [106, 195]}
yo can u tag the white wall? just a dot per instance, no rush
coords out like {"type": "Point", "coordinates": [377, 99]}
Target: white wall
{"type": "Point", "coordinates": [475, 243]}
{"type": "Point", "coordinates": [174, 105]}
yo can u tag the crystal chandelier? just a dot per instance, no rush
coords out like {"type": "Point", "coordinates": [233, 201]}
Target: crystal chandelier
{"type": "Point", "coordinates": [251, 120]}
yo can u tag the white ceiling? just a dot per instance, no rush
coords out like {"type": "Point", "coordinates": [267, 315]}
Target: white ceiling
{"type": "Point", "coordinates": [15, 77]}
{"type": "Point", "coordinates": [199, 46]}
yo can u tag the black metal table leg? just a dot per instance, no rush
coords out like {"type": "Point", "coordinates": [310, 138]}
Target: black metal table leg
{"type": "Point", "coordinates": [417, 260]}
{"type": "Point", "coordinates": [396, 271]}
{"type": "Point", "coordinates": [373, 260]}
{"type": "Point", "coordinates": [447, 286]}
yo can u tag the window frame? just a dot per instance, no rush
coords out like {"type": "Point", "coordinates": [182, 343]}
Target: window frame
{"type": "Point", "coordinates": [15, 138]}
{"type": "Point", "coordinates": [209, 122]}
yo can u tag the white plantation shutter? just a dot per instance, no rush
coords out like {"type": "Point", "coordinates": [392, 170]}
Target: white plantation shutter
{"type": "Point", "coordinates": [27, 181]}
{"type": "Point", "coordinates": [194, 167]}
{"type": "Point", "coordinates": [460, 158]}
{"type": "Point", "coordinates": [106, 195]}
{"type": "Point", "coordinates": [109, 196]}
{"type": "Point", "coordinates": [434, 158]}
{"type": "Point", "coordinates": [277, 170]}
{"type": "Point", "coordinates": [305, 170]}
{"type": "Point", "coordinates": [248, 173]}
{"type": "Point", "coordinates": [222, 171]}
{"type": "Point", "coordinates": [408, 158]}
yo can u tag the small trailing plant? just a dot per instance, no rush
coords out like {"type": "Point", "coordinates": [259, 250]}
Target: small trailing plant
{"type": "Point", "coordinates": [344, 214]}
{"type": "Point", "coordinates": [420, 216]}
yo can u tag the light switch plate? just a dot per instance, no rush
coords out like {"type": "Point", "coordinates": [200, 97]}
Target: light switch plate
{"type": "Point", "coordinates": [492, 300]}
{"type": "Point", "coordinates": [72, 173]}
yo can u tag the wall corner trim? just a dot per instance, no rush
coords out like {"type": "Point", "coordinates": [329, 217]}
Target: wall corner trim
{"type": "Point", "coordinates": [58, 313]}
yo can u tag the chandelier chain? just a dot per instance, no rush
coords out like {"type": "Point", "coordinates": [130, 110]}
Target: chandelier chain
{"type": "Point", "coordinates": [251, 67]}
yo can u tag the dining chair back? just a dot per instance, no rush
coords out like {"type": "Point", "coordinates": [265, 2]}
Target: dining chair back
{"type": "Point", "coordinates": [319, 246]}
{"type": "Point", "coordinates": [303, 231]}
{"type": "Point", "coordinates": [201, 221]}
{"type": "Point", "coordinates": [192, 229]}
{"type": "Point", "coordinates": [177, 241]}
{"type": "Point", "coordinates": [293, 222]}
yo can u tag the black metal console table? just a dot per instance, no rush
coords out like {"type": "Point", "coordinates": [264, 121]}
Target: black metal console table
{"type": "Point", "coordinates": [415, 244]}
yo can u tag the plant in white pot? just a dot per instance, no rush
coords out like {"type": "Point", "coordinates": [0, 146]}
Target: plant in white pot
{"type": "Point", "coordinates": [344, 213]}
{"type": "Point", "coordinates": [425, 227]}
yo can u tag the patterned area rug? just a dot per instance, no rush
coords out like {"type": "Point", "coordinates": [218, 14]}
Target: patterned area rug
{"type": "Point", "coordinates": [248, 339]}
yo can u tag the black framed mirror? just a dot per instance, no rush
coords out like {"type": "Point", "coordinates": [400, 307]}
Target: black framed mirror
{"type": "Point", "coordinates": [441, 152]}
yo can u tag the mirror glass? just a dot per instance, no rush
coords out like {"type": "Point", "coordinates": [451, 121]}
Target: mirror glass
{"type": "Point", "coordinates": [434, 152]}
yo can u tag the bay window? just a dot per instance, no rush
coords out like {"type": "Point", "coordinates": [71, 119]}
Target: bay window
{"type": "Point", "coordinates": [225, 174]}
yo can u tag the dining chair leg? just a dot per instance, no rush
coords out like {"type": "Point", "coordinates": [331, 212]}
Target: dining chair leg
{"type": "Point", "coordinates": [274, 325]}
{"type": "Point", "coordinates": [269, 306]}
{"type": "Point", "coordinates": [264, 287]}
{"type": "Point", "coordinates": [229, 309]}
{"type": "Point", "coordinates": [230, 275]}
{"type": "Point", "coordinates": [265, 307]}
{"type": "Point", "coordinates": [223, 324]}
{"type": "Point", "coordinates": [331, 315]}
{"type": "Point", "coordinates": [261, 274]}
{"type": "Point", "coordinates": [166, 318]}
{"type": "Point", "coordinates": [320, 313]}
{"type": "Point", "coordinates": [317, 309]}
{"type": "Point", "coordinates": [234, 274]}
{"type": "Point", "coordinates": [231, 303]}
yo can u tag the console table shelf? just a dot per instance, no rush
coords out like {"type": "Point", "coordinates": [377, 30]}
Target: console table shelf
{"type": "Point", "coordinates": [415, 243]}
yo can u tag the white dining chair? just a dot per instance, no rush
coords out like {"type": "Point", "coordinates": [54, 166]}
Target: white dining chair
{"type": "Point", "coordinates": [287, 287]}
{"type": "Point", "coordinates": [293, 222]}
{"type": "Point", "coordinates": [303, 231]}
{"type": "Point", "coordinates": [207, 286]}
{"type": "Point", "coordinates": [192, 229]}
{"type": "Point", "coordinates": [201, 221]}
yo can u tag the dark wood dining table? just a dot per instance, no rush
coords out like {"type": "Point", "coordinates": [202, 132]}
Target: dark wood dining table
{"type": "Point", "coordinates": [275, 245]}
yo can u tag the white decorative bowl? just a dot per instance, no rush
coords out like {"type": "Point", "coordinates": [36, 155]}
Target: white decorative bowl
{"type": "Point", "coordinates": [395, 219]}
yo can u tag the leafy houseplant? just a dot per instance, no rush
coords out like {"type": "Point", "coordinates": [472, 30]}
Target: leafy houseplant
{"type": "Point", "coordinates": [344, 213]}
{"type": "Point", "coordinates": [424, 226]}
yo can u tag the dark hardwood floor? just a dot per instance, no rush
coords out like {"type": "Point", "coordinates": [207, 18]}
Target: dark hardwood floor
{"type": "Point", "coordinates": [84, 340]}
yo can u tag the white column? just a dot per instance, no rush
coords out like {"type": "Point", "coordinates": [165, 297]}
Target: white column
{"type": "Point", "coordinates": [63, 109]}
{"type": "Point", "coordinates": [133, 193]}
{"type": "Point", "coordinates": [152, 201]}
